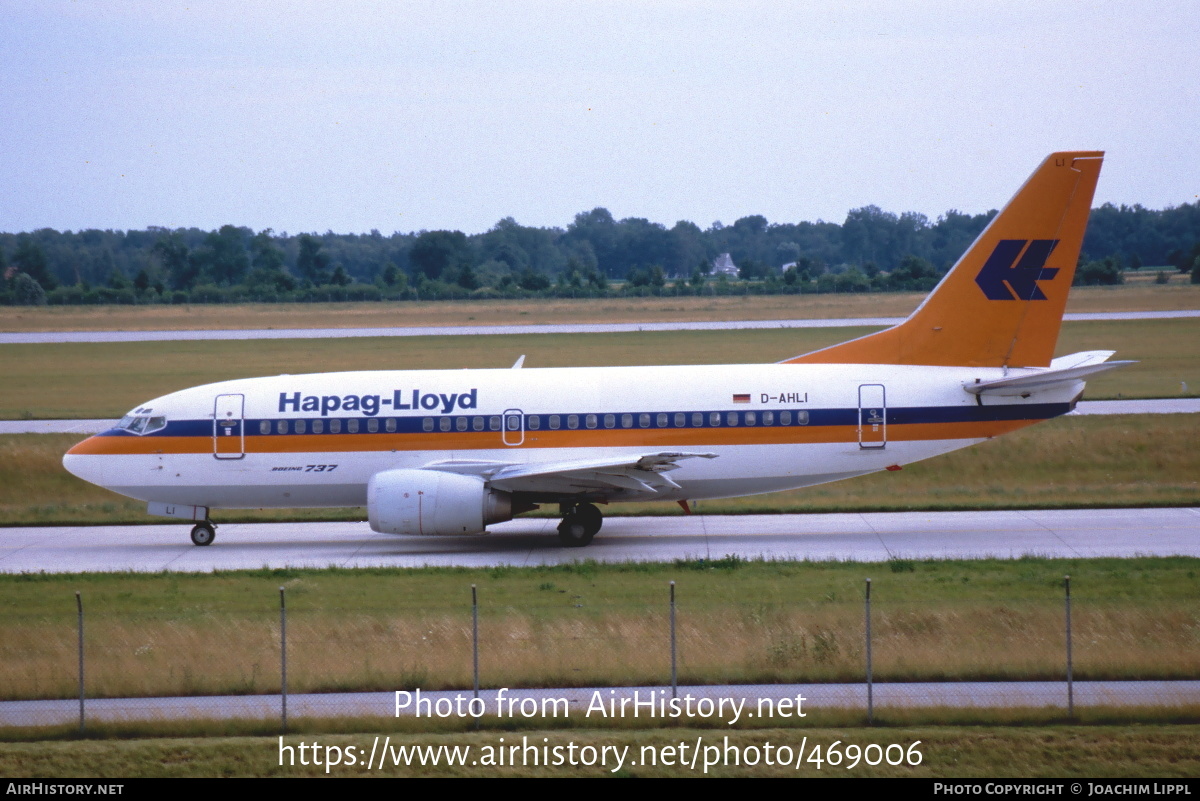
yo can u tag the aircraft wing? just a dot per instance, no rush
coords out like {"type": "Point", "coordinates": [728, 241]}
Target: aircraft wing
{"type": "Point", "coordinates": [629, 477]}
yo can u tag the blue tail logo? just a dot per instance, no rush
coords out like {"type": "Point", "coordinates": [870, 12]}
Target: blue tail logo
{"type": "Point", "coordinates": [1013, 270]}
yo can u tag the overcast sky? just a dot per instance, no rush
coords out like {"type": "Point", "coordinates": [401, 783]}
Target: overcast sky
{"type": "Point", "coordinates": [426, 115]}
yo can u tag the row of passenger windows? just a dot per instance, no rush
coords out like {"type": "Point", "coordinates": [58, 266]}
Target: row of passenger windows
{"type": "Point", "coordinates": [553, 422]}
{"type": "Point", "coordinates": [660, 420]}
{"type": "Point", "coordinates": [352, 426]}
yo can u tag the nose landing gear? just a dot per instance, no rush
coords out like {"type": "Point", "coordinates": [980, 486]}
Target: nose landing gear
{"type": "Point", "coordinates": [204, 533]}
{"type": "Point", "coordinates": [579, 524]}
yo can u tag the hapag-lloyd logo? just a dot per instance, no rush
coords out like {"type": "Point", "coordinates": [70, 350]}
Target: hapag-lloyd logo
{"type": "Point", "coordinates": [1013, 270]}
{"type": "Point", "coordinates": [370, 405]}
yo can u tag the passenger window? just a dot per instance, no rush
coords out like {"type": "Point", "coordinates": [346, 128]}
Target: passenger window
{"type": "Point", "coordinates": [572, 421]}
{"type": "Point", "coordinates": [372, 426]}
{"type": "Point", "coordinates": [535, 422]}
{"type": "Point", "coordinates": [477, 423]}
{"type": "Point", "coordinates": [662, 421]}
{"type": "Point", "coordinates": [301, 426]}
{"type": "Point", "coordinates": [264, 427]}
{"type": "Point", "coordinates": [426, 424]}
{"type": "Point", "coordinates": [731, 419]}
{"type": "Point", "coordinates": [680, 419]}
{"type": "Point", "coordinates": [352, 426]}
{"type": "Point", "coordinates": [751, 419]}
{"type": "Point", "coordinates": [390, 425]}
{"type": "Point", "coordinates": [697, 419]}
{"type": "Point", "coordinates": [318, 426]}
{"type": "Point", "coordinates": [714, 418]}
{"type": "Point", "coordinates": [627, 421]}
{"type": "Point", "coordinates": [461, 424]}
{"type": "Point", "coordinates": [335, 426]}
{"type": "Point", "coordinates": [513, 422]}
{"type": "Point", "coordinates": [610, 420]}
{"type": "Point", "coordinates": [281, 427]}
{"type": "Point", "coordinates": [785, 418]}
{"type": "Point", "coordinates": [643, 421]}
{"type": "Point", "coordinates": [554, 421]}
{"type": "Point", "coordinates": [768, 418]}
{"type": "Point", "coordinates": [801, 418]}
{"type": "Point", "coordinates": [444, 423]}
{"type": "Point", "coordinates": [494, 423]}
{"type": "Point", "coordinates": [590, 421]}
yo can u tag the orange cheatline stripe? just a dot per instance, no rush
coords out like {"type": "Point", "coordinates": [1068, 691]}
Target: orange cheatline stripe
{"type": "Point", "coordinates": [597, 438]}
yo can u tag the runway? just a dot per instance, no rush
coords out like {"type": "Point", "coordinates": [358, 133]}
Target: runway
{"type": "Point", "coordinates": [42, 337]}
{"type": "Point", "coordinates": [868, 538]}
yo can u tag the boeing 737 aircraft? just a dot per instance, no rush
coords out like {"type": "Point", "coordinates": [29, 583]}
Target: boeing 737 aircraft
{"type": "Point", "coordinates": [449, 452]}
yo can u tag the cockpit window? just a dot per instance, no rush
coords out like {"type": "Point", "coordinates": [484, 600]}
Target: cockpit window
{"type": "Point", "coordinates": [142, 424]}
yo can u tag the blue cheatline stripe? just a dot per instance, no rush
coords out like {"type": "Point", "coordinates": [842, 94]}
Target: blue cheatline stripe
{"type": "Point", "coordinates": [912, 415]}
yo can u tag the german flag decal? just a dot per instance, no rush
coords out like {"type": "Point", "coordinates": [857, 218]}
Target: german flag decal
{"type": "Point", "coordinates": [741, 398]}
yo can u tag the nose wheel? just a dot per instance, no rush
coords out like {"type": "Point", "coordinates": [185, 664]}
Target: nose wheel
{"type": "Point", "coordinates": [204, 533]}
{"type": "Point", "coordinates": [579, 525]}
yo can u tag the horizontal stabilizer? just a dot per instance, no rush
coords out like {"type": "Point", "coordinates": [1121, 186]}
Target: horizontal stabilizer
{"type": "Point", "coordinates": [1066, 369]}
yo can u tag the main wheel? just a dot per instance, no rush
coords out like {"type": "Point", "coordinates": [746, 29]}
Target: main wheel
{"type": "Point", "coordinates": [203, 533]}
{"type": "Point", "coordinates": [573, 532]}
{"type": "Point", "coordinates": [591, 518]}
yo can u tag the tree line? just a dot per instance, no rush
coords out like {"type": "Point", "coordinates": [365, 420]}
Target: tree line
{"type": "Point", "coordinates": [595, 255]}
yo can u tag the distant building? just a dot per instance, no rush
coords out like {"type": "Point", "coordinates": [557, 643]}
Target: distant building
{"type": "Point", "coordinates": [723, 264]}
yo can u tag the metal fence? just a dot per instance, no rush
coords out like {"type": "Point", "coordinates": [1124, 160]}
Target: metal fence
{"type": "Point", "coordinates": [862, 652]}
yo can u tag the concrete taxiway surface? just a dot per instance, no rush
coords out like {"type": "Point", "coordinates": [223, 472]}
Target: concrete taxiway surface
{"type": "Point", "coordinates": [485, 330]}
{"type": "Point", "coordinates": [729, 702]}
{"type": "Point", "coordinates": [859, 537]}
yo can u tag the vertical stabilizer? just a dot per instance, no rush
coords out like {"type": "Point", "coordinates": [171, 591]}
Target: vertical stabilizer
{"type": "Point", "coordinates": [1002, 303]}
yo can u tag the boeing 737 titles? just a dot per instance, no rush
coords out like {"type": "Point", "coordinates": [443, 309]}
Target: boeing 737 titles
{"type": "Point", "coordinates": [449, 452]}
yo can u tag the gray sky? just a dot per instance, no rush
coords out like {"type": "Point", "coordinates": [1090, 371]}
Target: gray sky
{"type": "Point", "coordinates": [405, 116]}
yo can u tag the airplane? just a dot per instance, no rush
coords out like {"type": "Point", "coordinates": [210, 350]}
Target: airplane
{"type": "Point", "coordinates": [448, 452]}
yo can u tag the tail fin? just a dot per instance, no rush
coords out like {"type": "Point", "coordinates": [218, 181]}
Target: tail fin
{"type": "Point", "coordinates": [1002, 304]}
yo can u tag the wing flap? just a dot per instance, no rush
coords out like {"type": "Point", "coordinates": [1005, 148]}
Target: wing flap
{"type": "Point", "coordinates": [633, 476]}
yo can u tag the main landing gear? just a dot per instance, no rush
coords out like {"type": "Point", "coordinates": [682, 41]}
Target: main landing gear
{"type": "Point", "coordinates": [579, 524]}
{"type": "Point", "coordinates": [204, 533]}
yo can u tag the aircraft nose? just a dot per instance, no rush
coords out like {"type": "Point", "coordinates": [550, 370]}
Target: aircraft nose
{"type": "Point", "coordinates": [82, 461]}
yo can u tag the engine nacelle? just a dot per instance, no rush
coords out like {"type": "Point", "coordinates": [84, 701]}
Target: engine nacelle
{"type": "Point", "coordinates": [425, 502]}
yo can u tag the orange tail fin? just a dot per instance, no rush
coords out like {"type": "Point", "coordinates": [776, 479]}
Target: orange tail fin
{"type": "Point", "coordinates": [1002, 304]}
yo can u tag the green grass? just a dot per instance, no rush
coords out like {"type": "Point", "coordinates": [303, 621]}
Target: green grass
{"type": "Point", "coordinates": [1056, 751]}
{"type": "Point", "coordinates": [82, 380]}
{"type": "Point", "coordinates": [597, 625]}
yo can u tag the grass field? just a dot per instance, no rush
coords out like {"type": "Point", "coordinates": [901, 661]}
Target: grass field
{"type": "Point", "coordinates": [1139, 296]}
{"type": "Point", "coordinates": [1117, 460]}
{"type": "Point", "coordinates": [983, 752]}
{"type": "Point", "coordinates": [598, 625]}
{"type": "Point", "coordinates": [81, 380]}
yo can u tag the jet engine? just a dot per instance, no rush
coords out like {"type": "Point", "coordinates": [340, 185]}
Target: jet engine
{"type": "Point", "coordinates": [427, 502]}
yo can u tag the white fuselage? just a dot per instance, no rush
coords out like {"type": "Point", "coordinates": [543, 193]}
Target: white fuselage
{"type": "Point", "coordinates": [316, 440]}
